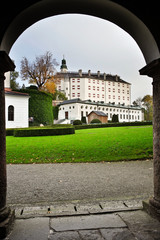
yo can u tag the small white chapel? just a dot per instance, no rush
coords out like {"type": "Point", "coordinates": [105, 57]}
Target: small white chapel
{"type": "Point", "coordinates": [16, 106]}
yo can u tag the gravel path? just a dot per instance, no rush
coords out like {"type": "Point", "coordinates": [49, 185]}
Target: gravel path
{"type": "Point", "coordinates": [47, 183]}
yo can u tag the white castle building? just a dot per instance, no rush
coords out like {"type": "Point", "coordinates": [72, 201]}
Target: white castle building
{"type": "Point", "coordinates": [95, 91]}
{"type": "Point", "coordinates": [16, 106]}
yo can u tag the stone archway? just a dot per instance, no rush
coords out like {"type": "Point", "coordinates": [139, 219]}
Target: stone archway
{"type": "Point", "coordinates": [99, 8]}
{"type": "Point", "coordinates": [108, 10]}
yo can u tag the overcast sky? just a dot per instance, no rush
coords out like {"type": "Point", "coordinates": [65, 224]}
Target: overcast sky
{"type": "Point", "coordinates": [87, 43]}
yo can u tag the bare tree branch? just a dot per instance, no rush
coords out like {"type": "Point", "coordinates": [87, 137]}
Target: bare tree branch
{"type": "Point", "coordinates": [40, 71]}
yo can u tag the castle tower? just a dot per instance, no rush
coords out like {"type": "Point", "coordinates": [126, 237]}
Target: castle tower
{"type": "Point", "coordinates": [64, 66]}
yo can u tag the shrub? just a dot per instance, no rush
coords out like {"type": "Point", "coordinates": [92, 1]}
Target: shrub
{"type": "Point", "coordinates": [40, 107]}
{"type": "Point", "coordinates": [115, 118]}
{"type": "Point", "coordinates": [9, 132]}
{"type": "Point", "coordinates": [112, 125]}
{"type": "Point", "coordinates": [96, 121]}
{"type": "Point", "coordinates": [77, 122]}
{"type": "Point", "coordinates": [84, 120]}
{"type": "Point", "coordinates": [30, 132]}
{"type": "Point", "coordinates": [55, 112]}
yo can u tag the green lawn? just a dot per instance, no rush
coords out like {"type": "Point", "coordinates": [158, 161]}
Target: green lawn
{"type": "Point", "coordinates": [89, 145]}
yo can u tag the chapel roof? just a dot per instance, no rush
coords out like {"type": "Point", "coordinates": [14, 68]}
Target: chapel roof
{"type": "Point", "coordinates": [10, 92]}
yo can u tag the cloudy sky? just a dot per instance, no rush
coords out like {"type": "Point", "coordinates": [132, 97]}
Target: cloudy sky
{"type": "Point", "coordinates": [87, 43]}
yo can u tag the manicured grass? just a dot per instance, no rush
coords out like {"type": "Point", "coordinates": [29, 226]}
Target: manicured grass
{"type": "Point", "coordinates": [89, 145]}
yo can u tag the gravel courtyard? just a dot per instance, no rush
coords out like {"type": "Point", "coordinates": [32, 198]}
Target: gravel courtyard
{"type": "Point", "coordinates": [48, 183]}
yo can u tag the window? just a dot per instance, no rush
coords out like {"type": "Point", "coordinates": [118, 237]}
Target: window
{"type": "Point", "coordinates": [93, 81]}
{"type": "Point", "coordinates": [102, 88]}
{"type": "Point", "coordinates": [73, 87]}
{"type": "Point", "coordinates": [113, 89]}
{"type": "Point", "coordinates": [93, 87]}
{"type": "Point", "coordinates": [97, 81]}
{"type": "Point", "coordinates": [78, 87]}
{"type": "Point", "coordinates": [118, 90]}
{"type": "Point", "coordinates": [94, 95]}
{"type": "Point", "coordinates": [89, 95]}
{"type": "Point", "coordinates": [73, 94]}
{"type": "Point", "coordinates": [97, 95]}
{"type": "Point", "coordinates": [109, 89]}
{"type": "Point", "coordinates": [113, 83]}
{"type": "Point", "coordinates": [102, 95]}
{"type": "Point", "coordinates": [73, 80]}
{"type": "Point", "coordinates": [10, 113]}
{"type": "Point", "coordinates": [89, 80]}
{"type": "Point", "coordinates": [97, 88]}
{"type": "Point", "coordinates": [89, 87]}
{"type": "Point", "coordinates": [78, 94]}
{"type": "Point", "coordinates": [78, 80]}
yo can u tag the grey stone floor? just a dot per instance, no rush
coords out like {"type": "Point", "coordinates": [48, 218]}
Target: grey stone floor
{"type": "Point", "coordinates": [127, 221]}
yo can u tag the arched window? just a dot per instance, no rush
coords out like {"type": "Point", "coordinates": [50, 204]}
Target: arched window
{"type": "Point", "coordinates": [10, 113]}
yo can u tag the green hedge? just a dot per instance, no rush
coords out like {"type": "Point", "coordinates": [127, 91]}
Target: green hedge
{"type": "Point", "coordinates": [77, 122]}
{"type": "Point", "coordinates": [9, 132]}
{"type": "Point", "coordinates": [112, 125]}
{"type": "Point", "coordinates": [95, 121]}
{"type": "Point", "coordinates": [31, 132]}
{"type": "Point", "coordinates": [40, 107]}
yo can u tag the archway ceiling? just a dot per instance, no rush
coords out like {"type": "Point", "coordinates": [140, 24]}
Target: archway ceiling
{"type": "Point", "coordinates": [148, 13]}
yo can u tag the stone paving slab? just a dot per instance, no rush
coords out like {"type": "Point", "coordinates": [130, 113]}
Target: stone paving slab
{"type": "Point", "coordinates": [86, 222]}
{"type": "Point", "coordinates": [30, 229]}
{"type": "Point", "coordinates": [131, 225]}
{"type": "Point", "coordinates": [91, 235]}
{"type": "Point", "coordinates": [117, 234]}
{"type": "Point", "coordinates": [65, 236]}
{"type": "Point", "coordinates": [88, 208]}
{"type": "Point", "coordinates": [143, 226]}
{"type": "Point", "coordinates": [80, 208]}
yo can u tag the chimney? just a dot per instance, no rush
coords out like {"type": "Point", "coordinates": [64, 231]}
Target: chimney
{"type": "Point", "coordinates": [80, 72]}
{"type": "Point", "coordinates": [89, 73]}
{"type": "Point", "coordinates": [117, 78]}
{"type": "Point", "coordinates": [98, 73]}
{"type": "Point", "coordinates": [104, 76]}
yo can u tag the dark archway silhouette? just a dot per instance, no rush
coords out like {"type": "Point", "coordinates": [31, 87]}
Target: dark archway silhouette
{"type": "Point", "coordinates": [141, 21]}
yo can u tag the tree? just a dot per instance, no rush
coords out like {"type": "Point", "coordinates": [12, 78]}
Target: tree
{"type": "Point", "coordinates": [59, 95]}
{"type": "Point", "coordinates": [40, 72]}
{"type": "Point", "coordinates": [138, 102]}
{"type": "Point", "coordinates": [147, 102]}
{"type": "Point", "coordinates": [115, 118]}
{"type": "Point", "coordinates": [13, 77]}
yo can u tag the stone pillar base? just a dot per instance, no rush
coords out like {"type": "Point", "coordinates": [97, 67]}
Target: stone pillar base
{"type": "Point", "coordinates": [6, 221]}
{"type": "Point", "coordinates": [152, 209]}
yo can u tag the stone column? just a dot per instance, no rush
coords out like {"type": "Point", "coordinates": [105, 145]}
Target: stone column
{"type": "Point", "coordinates": [5, 213]}
{"type": "Point", "coordinates": [153, 70]}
